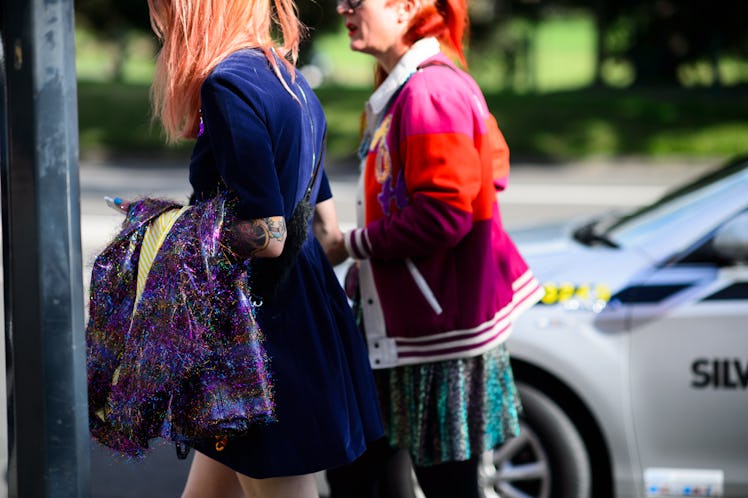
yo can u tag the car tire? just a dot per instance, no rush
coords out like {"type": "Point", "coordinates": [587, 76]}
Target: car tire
{"type": "Point", "coordinates": [547, 460]}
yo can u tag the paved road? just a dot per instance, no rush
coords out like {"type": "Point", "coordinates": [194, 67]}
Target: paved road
{"type": "Point", "coordinates": [537, 194]}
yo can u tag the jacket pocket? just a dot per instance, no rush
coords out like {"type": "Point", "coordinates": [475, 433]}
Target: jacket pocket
{"type": "Point", "coordinates": [423, 286]}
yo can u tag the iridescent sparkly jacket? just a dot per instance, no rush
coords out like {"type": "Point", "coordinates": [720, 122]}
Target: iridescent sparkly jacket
{"type": "Point", "coordinates": [439, 276]}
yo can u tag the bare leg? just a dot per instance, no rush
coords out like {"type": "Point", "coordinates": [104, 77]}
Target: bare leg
{"type": "Point", "coordinates": [210, 479]}
{"type": "Point", "coordinates": [303, 486]}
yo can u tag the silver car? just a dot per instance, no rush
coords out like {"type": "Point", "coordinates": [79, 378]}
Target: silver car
{"type": "Point", "coordinates": [634, 368]}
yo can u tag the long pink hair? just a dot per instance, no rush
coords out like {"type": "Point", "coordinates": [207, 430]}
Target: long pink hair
{"type": "Point", "coordinates": [446, 20]}
{"type": "Point", "coordinates": [197, 34]}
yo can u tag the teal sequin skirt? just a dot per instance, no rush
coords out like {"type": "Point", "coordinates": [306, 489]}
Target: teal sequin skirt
{"type": "Point", "coordinates": [450, 410]}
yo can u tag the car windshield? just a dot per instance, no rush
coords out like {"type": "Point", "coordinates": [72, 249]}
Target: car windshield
{"type": "Point", "coordinates": [615, 231]}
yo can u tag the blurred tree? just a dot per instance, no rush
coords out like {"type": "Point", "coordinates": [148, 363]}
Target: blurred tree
{"type": "Point", "coordinates": [319, 16]}
{"type": "Point", "coordinates": [506, 29]}
{"type": "Point", "coordinates": [667, 34]}
{"type": "Point", "coordinates": [663, 35]}
{"type": "Point", "coordinates": [659, 36]}
{"type": "Point", "coordinates": [112, 20]}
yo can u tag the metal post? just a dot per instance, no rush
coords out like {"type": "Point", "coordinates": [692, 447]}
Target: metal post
{"type": "Point", "coordinates": [42, 273]}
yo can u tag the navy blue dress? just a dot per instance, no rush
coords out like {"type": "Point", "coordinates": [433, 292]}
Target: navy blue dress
{"type": "Point", "coordinates": [263, 144]}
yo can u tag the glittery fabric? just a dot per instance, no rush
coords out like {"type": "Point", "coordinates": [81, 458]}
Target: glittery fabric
{"type": "Point", "coordinates": [189, 361]}
{"type": "Point", "coordinates": [450, 410]}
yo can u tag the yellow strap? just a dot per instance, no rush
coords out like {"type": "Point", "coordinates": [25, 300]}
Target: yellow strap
{"type": "Point", "coordinates": [155, 235]}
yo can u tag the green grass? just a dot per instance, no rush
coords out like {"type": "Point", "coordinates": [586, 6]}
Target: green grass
{"type": "Point", "coordinates": [114, 119]}
{"type": "Point", "coordinates": [96, 60]}
{"type": "Point", "coordinates": [564, 53]}
{"type": "Point", "coordinates": [575, 124]}
{"type": "Point", "coordinates": [566, 125]}
{"type": "Point", "coordinates": [342, 65]}
{"type": "Point", "coordinates": [608, 122]}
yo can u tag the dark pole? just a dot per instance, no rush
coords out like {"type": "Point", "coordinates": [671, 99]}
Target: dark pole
{"type": "Point", "coordinates": [42, 273]}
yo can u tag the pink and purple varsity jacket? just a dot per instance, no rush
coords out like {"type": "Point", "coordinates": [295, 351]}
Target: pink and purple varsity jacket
{"type": "Point", "coordinates": [439, 277]}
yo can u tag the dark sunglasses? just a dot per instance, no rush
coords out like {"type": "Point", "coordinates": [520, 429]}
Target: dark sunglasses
{"type": "Point", "coordinates": [349, 4]}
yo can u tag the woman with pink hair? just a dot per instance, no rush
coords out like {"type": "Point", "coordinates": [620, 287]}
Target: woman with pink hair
{"type": "Point", "coordinates": [440, 281]}
{"type": "Point", "coordinates": [223, 81]}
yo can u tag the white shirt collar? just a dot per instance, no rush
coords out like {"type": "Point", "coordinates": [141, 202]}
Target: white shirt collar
{"type": "Point", "coordinates": [421, 50]}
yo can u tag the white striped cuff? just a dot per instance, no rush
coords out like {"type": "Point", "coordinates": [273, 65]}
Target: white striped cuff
{"type": "Point", "coordinates": [357, 243]}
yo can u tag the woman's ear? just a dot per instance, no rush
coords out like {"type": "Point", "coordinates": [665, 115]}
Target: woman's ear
{"type": "Point", "coordinates": [407, 9]}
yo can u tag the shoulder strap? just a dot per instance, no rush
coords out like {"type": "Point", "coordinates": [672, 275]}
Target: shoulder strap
{"type": "Point", "coordinates": [437, 63]}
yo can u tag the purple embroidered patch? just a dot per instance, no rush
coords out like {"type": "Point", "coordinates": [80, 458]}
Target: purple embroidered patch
{"type": "Point", "coordinates": [399, 193]}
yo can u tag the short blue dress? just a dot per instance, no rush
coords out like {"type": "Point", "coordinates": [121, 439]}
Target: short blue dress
{"type": "Point", "coordinates": [263, 143]}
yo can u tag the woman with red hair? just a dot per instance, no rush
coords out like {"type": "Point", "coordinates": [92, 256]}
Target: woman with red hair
{"type": "Point", "coordinates": [223, 81]}
{"type": "Point", "coordinates": [440, 282]}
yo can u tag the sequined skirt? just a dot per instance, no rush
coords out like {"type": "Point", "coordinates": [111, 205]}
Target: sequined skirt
{"type": "Point", "coordinates": [450, 410]}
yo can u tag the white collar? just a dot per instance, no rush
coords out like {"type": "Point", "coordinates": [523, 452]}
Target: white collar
{"type": "Point", "coordinates": [421, 50]}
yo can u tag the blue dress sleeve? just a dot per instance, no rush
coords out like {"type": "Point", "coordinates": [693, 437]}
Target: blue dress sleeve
{"type": "Point", "coordinates": [235, 121]}
{"type": "Point", "coordinates": [324, 192]}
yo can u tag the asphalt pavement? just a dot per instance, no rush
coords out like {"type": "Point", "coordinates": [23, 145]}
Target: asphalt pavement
{"type": "Point", "coordinates": [537, 194]}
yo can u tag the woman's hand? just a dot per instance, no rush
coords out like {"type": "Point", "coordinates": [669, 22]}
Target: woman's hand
{"type": "Point", "coordinates": [327, 231]}
{"type": "Point", "coordinates": [117, 204]}
{"type": "Point", "coordinates": [336, 252]}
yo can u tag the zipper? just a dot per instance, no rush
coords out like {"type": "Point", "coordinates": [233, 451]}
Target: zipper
{"type": "Point", "coordinates": [311, 127]}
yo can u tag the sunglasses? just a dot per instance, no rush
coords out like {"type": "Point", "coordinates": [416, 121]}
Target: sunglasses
{"type": "Point", "coordinates": [349, 4]}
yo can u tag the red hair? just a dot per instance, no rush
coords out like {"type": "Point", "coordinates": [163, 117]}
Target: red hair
{"type": "Point", "coordinates": [197, 34]}
{"type": "Point", "coordinates": [446, 20]}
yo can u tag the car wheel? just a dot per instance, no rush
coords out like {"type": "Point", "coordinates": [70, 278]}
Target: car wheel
{"type": "Point", "coordinates": [547, 460]}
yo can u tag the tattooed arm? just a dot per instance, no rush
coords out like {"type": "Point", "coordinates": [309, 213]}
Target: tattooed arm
{"type": "Point", "coordinates": [260, 238]}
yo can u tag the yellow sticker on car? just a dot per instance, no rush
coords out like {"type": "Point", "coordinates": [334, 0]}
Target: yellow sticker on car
{"type": "Point", "coordinates": [559, 292]}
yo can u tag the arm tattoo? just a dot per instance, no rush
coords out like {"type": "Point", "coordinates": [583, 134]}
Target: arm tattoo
{"type": "Point", "coordinates": [276, 226]}
{"type": "Point", "coordinates": [249, 237]}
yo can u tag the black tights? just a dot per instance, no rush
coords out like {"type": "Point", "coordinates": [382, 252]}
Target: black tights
{"type": "Point", "coordinates": [450, 480]}
{"type": "Point", "coordinates": [385, 472]}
